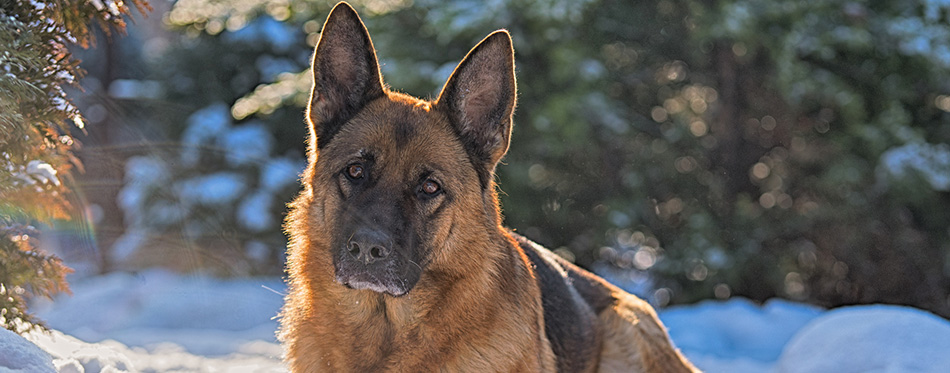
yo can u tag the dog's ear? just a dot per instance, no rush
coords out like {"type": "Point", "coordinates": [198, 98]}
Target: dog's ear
{"type": "Point", "coordinates": [479, 98]}
{"type": "Point", "coordinates": [345, 74]}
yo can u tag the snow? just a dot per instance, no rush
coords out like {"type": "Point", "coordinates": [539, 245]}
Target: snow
{"type": "Point", "coordinates": [271, 67]}
{"type": "Point", "coordinates": [37, 170]}
{"type": "Point", "coordinates": [133, 89]}
{"type": "Point", "coordinates": [266, 30]}
{"type": "Point", "coordinates": [19, 355]}
{"type": "Point", "coordinates": [737, 329]}
{"type": "Point", "coordinates": [203, 126]}
{"type": "Point", "coordinates": [42, 171]}
{"type": "Point", "coordinates": [159, 321]}
{"type": "Point", "coordinates": [878, 338]}
{"type": "Point", "coordinates": [247, 143]}
{"type": "Point", "coordinates": [213, 189]}
{"type": "Point", "coordinates": [253, 211]}
{"type": "Point", "coordinates": [70, 355]}
{"type": "Point", "coordinates": [930, 161]}
{"type": "Point", "coordinates": [201, 314]}
{"type": "Point", "coordinates": [141, 172]}
{"type": "Point", "coordinates": [278, 173]}
{"type": "Point", "coordinates": [126, 245]}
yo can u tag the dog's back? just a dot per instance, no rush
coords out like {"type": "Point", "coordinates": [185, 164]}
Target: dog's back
{"type": "Point", "coordinates": [595, 326]}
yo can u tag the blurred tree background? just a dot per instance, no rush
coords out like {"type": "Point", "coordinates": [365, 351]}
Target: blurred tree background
{"type": "Point", "coordinates": [37, 118]}
{"type": "Point", "coordinates": [685, 149]}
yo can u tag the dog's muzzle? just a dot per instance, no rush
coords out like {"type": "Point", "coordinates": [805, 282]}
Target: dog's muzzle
{"type": "Point", "coordinates": [370, 260]}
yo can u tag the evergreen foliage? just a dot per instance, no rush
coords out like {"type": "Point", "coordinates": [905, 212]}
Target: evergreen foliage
{"type": "Point", "coordinates": [35, 146]}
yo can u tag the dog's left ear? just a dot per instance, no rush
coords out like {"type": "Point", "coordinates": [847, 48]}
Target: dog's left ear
{"type": "Point", "coordinates": [345, 73]}
{"type": "Point", "coordinates": [479, 98]}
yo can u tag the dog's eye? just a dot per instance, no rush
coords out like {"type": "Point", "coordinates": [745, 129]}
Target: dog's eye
{"type": "Point", "coordinates": [354, 171]}
{"type": "Point", "coordinates": [430, 187]}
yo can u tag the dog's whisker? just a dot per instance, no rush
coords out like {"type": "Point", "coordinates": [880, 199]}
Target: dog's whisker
{"type": "Point", "coordinates": [415, 264]}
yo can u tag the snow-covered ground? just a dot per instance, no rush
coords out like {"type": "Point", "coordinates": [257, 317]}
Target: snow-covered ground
{"type": "Point", "coordinates": [155, 321]}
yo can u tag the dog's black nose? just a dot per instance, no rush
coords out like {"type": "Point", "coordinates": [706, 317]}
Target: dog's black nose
{"type": "Point", "coordinates": [369, 245]}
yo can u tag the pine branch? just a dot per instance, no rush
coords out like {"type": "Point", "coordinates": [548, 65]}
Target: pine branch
{"type": "Point", "coordinates": [36, 116]}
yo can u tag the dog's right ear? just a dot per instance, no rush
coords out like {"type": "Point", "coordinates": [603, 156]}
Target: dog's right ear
{"type": "Point", "coordinates": [345, 74]}
{"type": "Point", "coordinates": [479, 98]}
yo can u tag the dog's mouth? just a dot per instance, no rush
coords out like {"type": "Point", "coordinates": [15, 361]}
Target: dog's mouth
{"type": "Point", "coordinates": [395, 276]}
{"type": "Point", "coordinates": [369, 281]}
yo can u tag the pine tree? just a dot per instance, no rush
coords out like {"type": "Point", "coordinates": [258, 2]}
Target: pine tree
{"type": "Point", "coordinates": [36, 117]}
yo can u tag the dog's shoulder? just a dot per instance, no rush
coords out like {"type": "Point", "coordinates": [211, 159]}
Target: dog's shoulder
{"type": "Point", "coordinates": [594, 325]}
{"type": "Point", "coordinates": [593, 290]}
{"type": "Point", "coordinates": [571, 303]}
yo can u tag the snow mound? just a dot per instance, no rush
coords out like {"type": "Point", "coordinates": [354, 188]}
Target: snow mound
{"type": "Point", "coordinates": [72, 355]}
{"type": "Point", "coordinates": [877, 338]}
{"type": "Point", "coordinates": [736, 329]}
{"type": "Point", "coordinates": [75, 356]}
{"type": "Point", "coordinates": [201, 314]}
{"type": "Point", "coordinates": [19, 355]}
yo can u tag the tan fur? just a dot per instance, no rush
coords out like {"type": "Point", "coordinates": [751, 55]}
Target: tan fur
{"type": "Point", "coordinates": [477, 306]}
{"type": "Point", "coordinates": [634, 340]}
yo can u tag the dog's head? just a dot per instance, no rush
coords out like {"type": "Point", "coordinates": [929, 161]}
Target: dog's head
{"type": "Point", "coordinates": [397, 184]}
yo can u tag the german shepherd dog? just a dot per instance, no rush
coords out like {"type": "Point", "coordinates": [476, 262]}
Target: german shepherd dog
{"type": "Point", "coordinates": [397, 259]}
